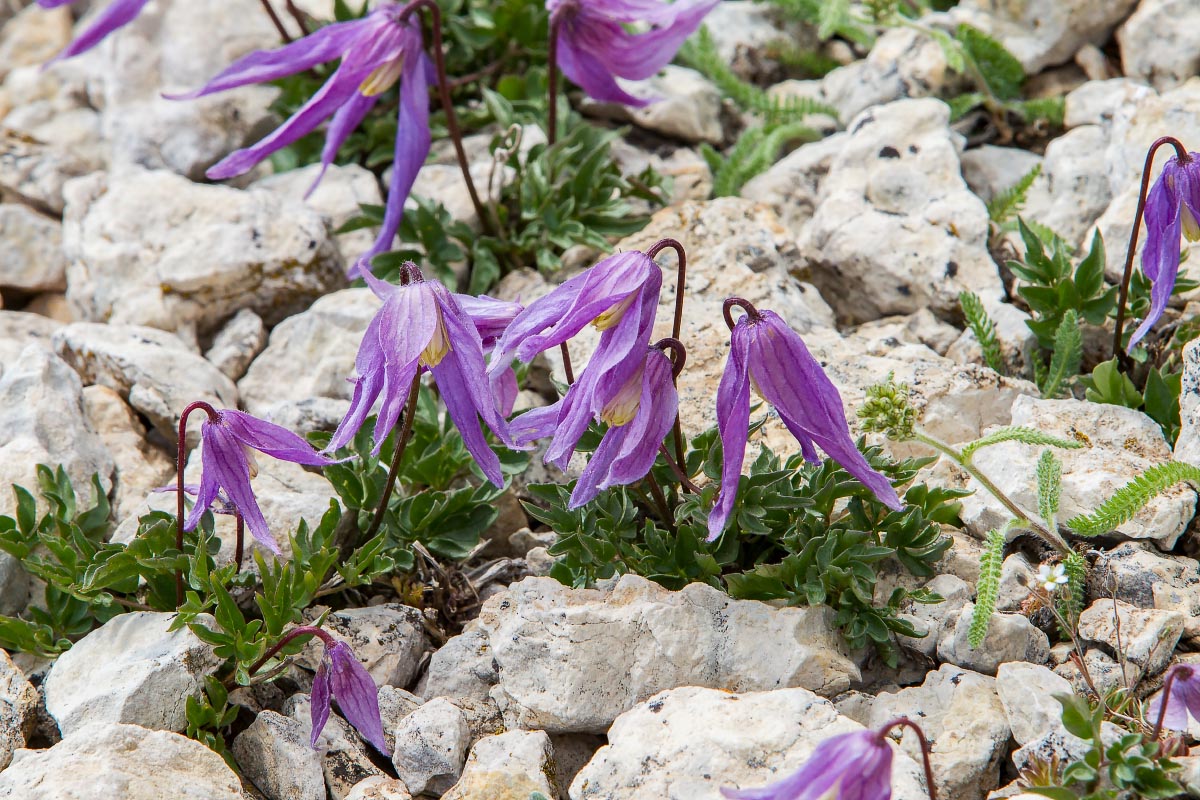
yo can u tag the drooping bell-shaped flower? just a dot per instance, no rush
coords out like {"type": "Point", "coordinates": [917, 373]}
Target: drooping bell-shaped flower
{"type": "Point", "coordinates": [1181, 695]}
{"type": "Point", "coordinates": [341, 677]}
{"type": "Point", "coordinates": [1172, 211]}
{"type": "Point", "coordinates": [852, 766]}
{"type": "Point", "coordinates": [375, 52]}
{"type": "Point", "coordinates": [116, 14]}
{"type": "Point", "coordinates": [619, 296]}
{"type": "Point", "coordinates": [638, 413]}
{"type": "Point", "coordinates": [492, 317]}
{"type": "Point", "coordinates": [768, 355]}
{"type": "Point", "coordinates": [595, 47]}
{"type": "Point", "coordinates": [227, 465]}
{"type": "Point", "coordinates": [421, 325]}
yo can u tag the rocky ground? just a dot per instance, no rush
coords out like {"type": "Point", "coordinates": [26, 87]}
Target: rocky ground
{"type": "Point", "coordinates": [131, 287]}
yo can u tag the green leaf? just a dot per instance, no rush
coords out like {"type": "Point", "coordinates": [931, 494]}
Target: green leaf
{"type": "Point", "coordinates": [984, 329]}
{"type": "Point", "coordinates": [1076, 715]}
{"type": "Point", "coordinates": [1133, 496]}
{"type": "Point", "coordinates": [1107, 384]}
{"type": "Point", "coordinates": [1008, 203]}
{"type": "Point", "coordinates": [1068, 354]}
{"type": "Point", "coordinates": [1000, 69]}
{"type": "Point", "coordinates": [987, 588]}
{"type": "Point", "coordinates": [1017, 433]}
{"type": "Point", "coordinates": [1049, 483]}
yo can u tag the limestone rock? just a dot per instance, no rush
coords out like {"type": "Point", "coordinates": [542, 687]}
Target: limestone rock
{"type": "Point", "coordinates": [937, 619]}
{"type": "Point", "coordinates": [35, 171]}
{"type": "Point", "coordinates": [1095, 102]}
{"type": "Point", "coordinates": [903, 63]}
{"type": "Point", "coordinates": [508, 766]}
{"type": "Point", "coordinates": [44, 423]}
{"type": "Point", "coordinates": [133, 239]}
{"type": "Point", "coordinates": [340, 751]}
{"type": "Point", "coordinates": [33, 36]}
{"type": "Point", "coordinates": [18, 330]}
{"type": "Point", "coordinates": [1073, 189]}
{"type": "Point", "coordinates": [897, 179]}
{"type": "Point", "coordinates": [388, 639]}
{"type": "Point", "coordinates": [1145, 637]}
{"type": "Point", "coordinates": [325, 339]}
{"type": "Point", "coordinates": [792, 185]}
{"type": "Point", "coordinates": [379, 788]}
{"type": "Point", "coordinates": [394, 705]}
{"type": "Point", "coordinates": [1187, 445]}
{"type": "Point", "coordinates": [1146, 578]}
{"type": "Point", "coordinates": [140, 466]}
{"type": "Point", "coordinates": [131, 669]}
{"type": "Point", "coordinates": [688, 106]}
{"type": "Point", "coordinates": [154, 371]}
{"type": "Point", "coordinates": [274, 753]}
{"type": "Point", "coordinates": [573, 660]}
{"type": "Point", "coordinates": [1010, 637]}
{"type": "Point", "coordinates": [962, 717]}
{"type": "Point", "coordinates": [690, 741]}
{"type": "Point", "coordinates": [1119, 443]}
{"type": "Point", "coordinates": [1027, 693]}
{"type": "Point", "coordinates": [1160, 42]}
{"type": "Point", "coordinates": [741, 30]}
{"type": "Point", "coordinates": [241, 339]}
{"type": "Point", "coordinates": [463, 667]}
{"type": "Point", "coordinates": [32, 258]}
{"type": "Point", "coordinates": [431, 747]}
{"type": "Point", "coordinates": [82, 767]}
{"type": "Point", "coordinates": [343, 188]}
{"type": "Point", "coordinates": [18, 707]}
{"type": "Point", "coordinates": [1042, 33]}
{"type": "Point", "coordinates": [989, 169]}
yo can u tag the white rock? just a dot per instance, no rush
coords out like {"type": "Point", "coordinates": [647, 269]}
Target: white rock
{"type": "Point", "coordinates": [920, 328]}
{"type": "Point", "coordinates": [1017, 342]}
{"type": "Point", "coordinates": [140, 466]}
{"type": "Point", "coordinates": [35, 172]}
{"type": "Point", "coordinates": [741, 29]}
{"type": "Point", "coordinates": [131, 669]}
{"type": "Point", "coordinates": [1148, 579]}
{"type": "Point", "coordinates": [572, 660]}
{"type": "Point", "coordinates": [154, 371]}
{"type": "Point", "coordinates": [274, 753]}
{"type": "Point", "coordinates": [18, 705]}
{"type": "Point", "coordinates": [1073, 189]}
{"type": "Point", "coordinates": [791, 186]}
{"type": "Point", "coordinates": [1017, 579]}
{"type": "Point", "coordinates": [325, 339]}
{"type": "Point", "coordinates": [961, 716]}
{"type": "Point", "coordinates": [431, 747]}
{"type": "Point", "coordinates": [178, 47]}
{"type": "Point", "coordinates": [1145, 637]}
{"type": "Point", "coordinates": [463, 667]}
{"type": "Point", "coordinates": [33, 36]}
{"type": "Point", "coordinates": [341, 752]}
{"type": "Point", "coordinates": [32, 258]}
{"type": "Point", "coordinates": [1043, 33]}
{"type": "Point", "coordinates": [18, 330]}
{"type": "Point", "coordinates": [14, 585]}
{"type": "Point", "coordinates": [989, 170]}
{"type": "Point", "coordinates": [1010, 637]}
{"type": "Point", "coordinates": [508, 766]}
{"type": "Point", "coordinates": [937, 619]}
{"type": "Point", "coordinates": [339, 195]}
{"type": "Point", "coordinates": [379, 788]}
{"type": "Point", "coordinates": [1160, 42]}
{"type": "Point", "coordinates": [82, 767]}
{"type": "Point", "coordinates": [903, 63]}
{"type": "Point", "coordinates": [388, 639]}
{"type": "Point", "coordinates": [1119, 444]}
{"type": "Point", "coordinates": [1135, 126]}
{"type": "Point", "coordinates": [897, 179]}
{"type": "Point", "coordinates": [241, 339]}
{"type": "Point", "coordinates": [1187, 444]}
{"type": "Point", "coordinates": [1027, 693]}
{"type": "Point", "coordinates": [688, 105]}
{"type": "Point", "coordinates": [44, 423]}
{"type": "Point", "coordinates": [1095, 102]}
{"type": "Point", "coordinates": [687, 743]}
{"type": "Point", "coordinates": [132, 242]}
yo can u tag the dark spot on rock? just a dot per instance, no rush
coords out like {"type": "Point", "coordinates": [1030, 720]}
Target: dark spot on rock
{"type": "Point", "coordinates": [904, 290]}
{"type": "Point", "coordinates": [889, 152]}
{"type": "Point", "coordinates": [864, 122]}
{"type": "Point", "coordinates": [951, 269]}
{"type": "Point", "coordinates": [912, 148]}
{"type": "Point", "coordinates": [956, 680]}
{"type": "Point", "coordinates": [656, 706]}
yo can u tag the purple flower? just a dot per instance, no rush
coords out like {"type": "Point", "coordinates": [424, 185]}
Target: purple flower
{"type": "Point", "coordinates": [491, 318]}
{"type": "Point", "coordinates": [769, 355]}
{"type": "Point", "coordinates": [619, 296]}
{"type": "Point", "coordinates": [638, 413]}
{"type": "Point", "coordinates": [341, 675]}
{"type": "Point", "coordinates": [376, 51]}
{"type": "Point", "coordinates": [853, 766]}
{"type": "Point", "coordinates": [594, 47]}
{"type": "Point", "coordinates": [117, 14]}
{"type": "Point", "coordinates": [228, 465]}
{"type": "Point", "coordinates": [1172, 210]}
{"type": "Point", "coordinates": [1182, 698]}
{"type": "Point", "coordinates": [421, 325]}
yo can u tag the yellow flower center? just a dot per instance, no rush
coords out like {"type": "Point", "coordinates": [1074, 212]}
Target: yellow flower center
{"type": "Point", "coordinates": [251, 461]}
{"type": "Point", "coordinates": [383, 78]}
{"type": "Point", "coordinates": [1191, 227]}
{"type": "Point", "coordinates": [623, 407]}
{"type": "Point", "coordinates": [439, 345]}
{"type": "Point", "coordinates": [613, 315]}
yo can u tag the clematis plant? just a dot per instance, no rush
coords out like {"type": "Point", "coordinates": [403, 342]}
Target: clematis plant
{"type": "Point", "coordinates": [767, 354]}
{"type": "Point", "coordinates": [376, 51]}
{"type": "Point", "coordinates": [116, 14]}
{"type": "Point", "coordinates": [851, 766]}
{"type": "Point", "coordinates": [1179, 698]}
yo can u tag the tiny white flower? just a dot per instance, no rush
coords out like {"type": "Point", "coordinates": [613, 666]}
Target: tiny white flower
{"type": "Point", "coordinates": [1051, 577]}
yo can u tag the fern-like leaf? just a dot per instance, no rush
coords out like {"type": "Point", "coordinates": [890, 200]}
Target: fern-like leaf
{"type": "Point", "coordinates": [999, 69]}
{"type": "Point", "coordinates": [1017, 433]}
{"type": "Point", "coordinates": [984, 329]}
{"type": "Point", "coordinates": [1052, 109]}
{"type": "Point", "coordinates": [988, 587]}
{"type": "Point", "coordinates": [1133, 497]}
{"type": "Point", "coordinates": [1049, 483]}
{"type": "Point", "coordinates": [1068, 355]}
{"type": "Point", "coordinates": [1008, 203]}
{"type": "Point", "coordinates": [1075, 592]}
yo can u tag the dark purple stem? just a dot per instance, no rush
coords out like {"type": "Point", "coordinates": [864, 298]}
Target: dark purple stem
{"type": "Point", "coordinates": [678, 360]}
{"type": "Point", "coordinates": [239, 540]}
{"type": "Point", "coordinates": [213, 416]}
{"type": "Point", "coordinates": [1118, 334]}
{"type": "Point", "coordinates": [303, 630]}
{"type": "Point", "coordinates": [680, 279]}
{"type": "Point", "coordinates": [552, 82]}
{"type": "Point", "coordinates": [394, 470]}
{"type": "Point", "coordinates": [745, 305]}
{"type": "Point", "coordinates": [566, 357]}
{"type": "Point", "coordinates": [1156, 734]}
{"type": "Point", "coordinates": [276, 21]}
{"type": "Point", "coordinates": [905, 722]}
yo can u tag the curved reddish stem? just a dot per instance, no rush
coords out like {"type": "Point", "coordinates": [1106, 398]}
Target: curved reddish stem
{"type": "Point", "coordinates": [745, 305]}
{"type": "Point", "coordinates": [905, 722]}
{"type": "Point", "coordinates": [214, 417]}
{"type": "Point", "coordinates": [1156, 734]}
{"type": "Point", "coordinates": [303, 630]}
{"type": "Point", "coordinates": [680, 279]}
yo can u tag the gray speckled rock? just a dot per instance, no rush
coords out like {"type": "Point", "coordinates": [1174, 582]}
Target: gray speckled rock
{"type": "Point", "coordinates": [1160, 42]}
{"type": "Point", "coordinates": [507, 766]}
{"type": "Point", "coordinates": [1027, 693]}
{"type": "Point", "coordinates": [82, 767]}
{"type": "Point", "coordinates": [18, 705]}
{"type": "Point", "coordinates": [686, 743]}
{"type": "Point", "coordinates": [1146, 636]}
{"type": "Point", "coordinates": [431, 747]}
{"type": "Point", "coordinates": [274, 753]}
{"type": "Point", "coordinates": [388, 639]}
{"type": "Point", "coordinates": [1145, 578]}
{"type": "Point", "coordinates": [32, 258]}
{"type": "Point", "coordinates": [1010, 637]}
{"type": "Point", "coordinates": [131, 669]}
{"type": "Point", "coordinates": [571, 660]}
